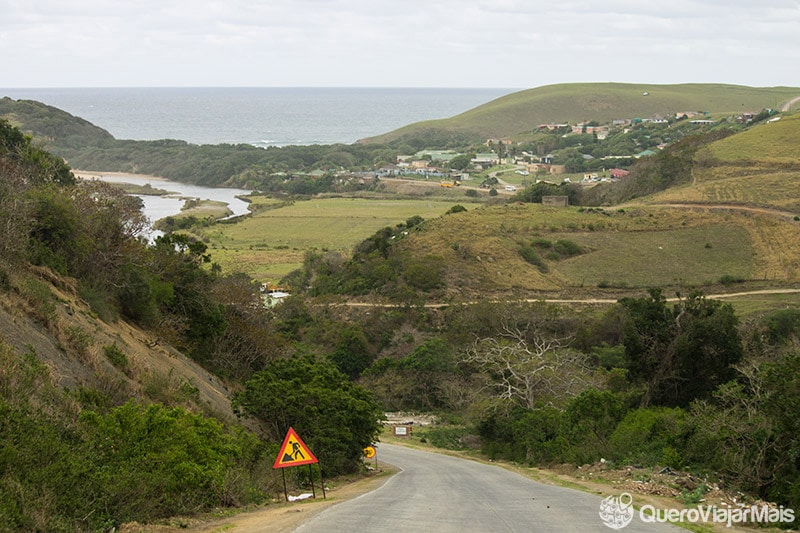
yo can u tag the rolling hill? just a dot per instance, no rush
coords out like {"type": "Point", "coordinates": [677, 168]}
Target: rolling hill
{"type": "Point", "coordinates": [736, 222]}
{"type": "Point", "coordinates": [523, 111]}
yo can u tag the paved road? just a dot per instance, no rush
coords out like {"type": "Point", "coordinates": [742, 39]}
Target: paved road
{"type": "Point", "coordinates": [438, 493]}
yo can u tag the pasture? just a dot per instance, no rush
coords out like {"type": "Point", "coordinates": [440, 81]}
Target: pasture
{"type": "Point", "coordinates": [273, 242]}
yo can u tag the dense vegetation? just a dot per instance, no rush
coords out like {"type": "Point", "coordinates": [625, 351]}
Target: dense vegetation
{"type": "Point", "coordinates": [91, 457]}
{"type": "Point", "coordinates": [687, 384]}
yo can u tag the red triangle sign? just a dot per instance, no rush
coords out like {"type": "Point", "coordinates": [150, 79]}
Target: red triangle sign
{"type": "Point", "coordinates": [294, 452]}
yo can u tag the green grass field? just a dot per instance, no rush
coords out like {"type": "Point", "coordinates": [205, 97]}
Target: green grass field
{"type": "Point", "coordinates": [692, 256]}
{"type": "Point", "coordinates": [772, 143]}
{"type": "Point", "coordinates": [273, 242]}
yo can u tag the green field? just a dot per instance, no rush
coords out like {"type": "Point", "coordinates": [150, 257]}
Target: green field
{"type": "Point", "coordinates": [273, 242]}
{"type": "Point", "coordinates": [693, 256]}
{"type": "Point", "coordinates": [773, 143]}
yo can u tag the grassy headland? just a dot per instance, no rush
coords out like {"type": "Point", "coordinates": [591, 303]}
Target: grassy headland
{"type": "Point", "coordinates": [523, 111]}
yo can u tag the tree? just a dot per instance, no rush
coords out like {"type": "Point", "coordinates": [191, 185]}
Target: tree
{"type": "Point", "coordinates": [336, 418]}
{"type": "Point", "coordinates": [680, 354]}
{"type": "Point", "coordinates": [460, 162]}
{"type": "Point", "coordinates": [352, 355]}
{"type": "Point", "coordinates": [528, 368]}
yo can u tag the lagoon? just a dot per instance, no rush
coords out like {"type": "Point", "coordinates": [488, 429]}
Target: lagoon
{"type": "Point", "coordinates": [158, 207]}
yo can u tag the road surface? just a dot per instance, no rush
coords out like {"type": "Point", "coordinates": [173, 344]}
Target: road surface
{"type": "Point", "coordinates": [438, 493]}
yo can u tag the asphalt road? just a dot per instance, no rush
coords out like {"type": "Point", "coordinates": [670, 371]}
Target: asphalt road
{"type": "Point", "coordinates": [438, 493]}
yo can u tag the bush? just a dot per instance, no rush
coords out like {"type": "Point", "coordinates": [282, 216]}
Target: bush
{"type": "Point", "coordinates": [727, 279]}
{"type": "Point", "coordinates": [649, 436]}
{"type": "Point", "coordinates": [41, 299]}
{"type": "Point", "coordinates": [567, 248]}
{"type": "Point", "coordinates": [458, 208]}
{"type": "Point", "coordinates": [117, 357]}
{"type": "Point", "coordinates": [530, 255]}
{"type": "Point", "coordinates": [150, 462]}
{"type": "Point", "coordinates": [783, 325]}
{"type": "Point", "coordinates": [5, 280]}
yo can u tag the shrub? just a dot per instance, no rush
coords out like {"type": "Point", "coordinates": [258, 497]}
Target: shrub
{"type": "Point", "coordinates": [79, 340]}
{"type": "Point", "coordinates": [5, 280]}
{"type": "Point", "coordinates": [99, 301]}
{"type": "Point", "coordinates": [782, 325]}
{"type": "Point", "coordinates": [150, 462]}
{"type": "Point", "coordinates": [567, 248]}
{"type": "Point", "coordinates": [458, 208]}
{"type": "Point", "coordinates": [644, 435]}
{"type": "Point", "coordinates": [117, 357]}
{"type": "Point", "coordinates": [41, 298]}
{"type": "Point", "coordinates": [728, 279]}
{"type": "Point", "coordinates": [530, 255]}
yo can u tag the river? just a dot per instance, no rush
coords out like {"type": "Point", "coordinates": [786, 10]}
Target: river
{"type": "Point", "coordinates": [158, 207]}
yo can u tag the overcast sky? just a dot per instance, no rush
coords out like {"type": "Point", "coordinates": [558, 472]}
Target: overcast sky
{"type": "Point", "coordinates": [408, 43]}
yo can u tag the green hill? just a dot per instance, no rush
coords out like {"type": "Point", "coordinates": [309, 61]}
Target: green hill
{"type": "Point", "coordinates": [732, 220]}
{"type": "Point", "coordinates": [759, 168]}
{"type": "Point", "coordinates": [51, 124]}
{"type": "Point", "coordinates": [603, 102]}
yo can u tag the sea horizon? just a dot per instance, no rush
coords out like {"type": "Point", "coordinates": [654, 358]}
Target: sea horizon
{"type": "Point", "coordinates": [261, 116]}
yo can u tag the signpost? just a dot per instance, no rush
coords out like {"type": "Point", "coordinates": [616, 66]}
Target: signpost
{"type": "Point", "coordinates": [369, 453]}
{"type": "Point", "coordinates": [294, 452]}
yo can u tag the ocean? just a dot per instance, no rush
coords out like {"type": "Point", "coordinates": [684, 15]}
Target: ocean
{"type": "Point", "coordinates": [258, 116]}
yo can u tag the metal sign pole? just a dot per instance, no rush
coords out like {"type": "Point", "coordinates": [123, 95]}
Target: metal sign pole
{"type": "Point", "coordinates": [311, 475]}
{"type": "Point", "coordinates": [285, 494]}
{"type": "Point", "coordinates": [322, 481]}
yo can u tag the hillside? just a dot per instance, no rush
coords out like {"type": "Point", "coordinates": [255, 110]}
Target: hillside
{"type": "Point", "coordinates": [74, 347]}
{"type": "Point", "coordinates": [50, 124]}
{"type": "Point", "coordinates": [734, 221]}
{"type": "Point", "coordinates": [523, 111]}
{"type": "Point", "coordinates": [759, 167]}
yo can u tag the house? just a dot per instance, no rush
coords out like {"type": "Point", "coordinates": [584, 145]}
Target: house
{"type": "Point", "coordinates": [437, 155]}
{"type": "Point", "coordinates": [552, 126]}
{"type": "Point", "coordinates": [389, 170]}
{"type": "Point", "coordinates": [618, 173]}
{"type": "Point", "coordinates": [485, 160]}
{"type": "Point", "coordinates": [544, 167]}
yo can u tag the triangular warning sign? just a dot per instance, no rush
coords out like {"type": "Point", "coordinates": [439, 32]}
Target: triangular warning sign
{"type": "Point", "coordinates": [294, 452]}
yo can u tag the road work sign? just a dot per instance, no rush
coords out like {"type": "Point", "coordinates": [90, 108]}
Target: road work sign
{"type": "Point", "coordinates": [294, 452]}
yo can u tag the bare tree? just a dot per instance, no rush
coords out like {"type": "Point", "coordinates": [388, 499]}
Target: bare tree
{"type": "Point", "coordinates": [527, 367]}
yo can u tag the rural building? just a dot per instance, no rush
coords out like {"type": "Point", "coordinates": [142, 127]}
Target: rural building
{"type": "Point", "coordinates": [555, 201]}
{"type": "Point", "coordinates": [546, 167]}
{"type": "Point", "coordinates": [485, 160]}
{"type": "Point", "coordinates": [618, 173]}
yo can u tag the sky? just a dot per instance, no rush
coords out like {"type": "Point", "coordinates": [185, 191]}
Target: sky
{"type": "Point", "coordinates": [410, 43]}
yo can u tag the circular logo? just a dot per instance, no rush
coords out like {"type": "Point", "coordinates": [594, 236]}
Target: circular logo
{"type": "Point", "coordinates": [617, 511]}
{"type": "Point", "coordinates": [369, 452]}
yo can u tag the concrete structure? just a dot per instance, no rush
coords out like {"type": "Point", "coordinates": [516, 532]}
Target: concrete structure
{"type": "Point", "coordinates": [555, 201]}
